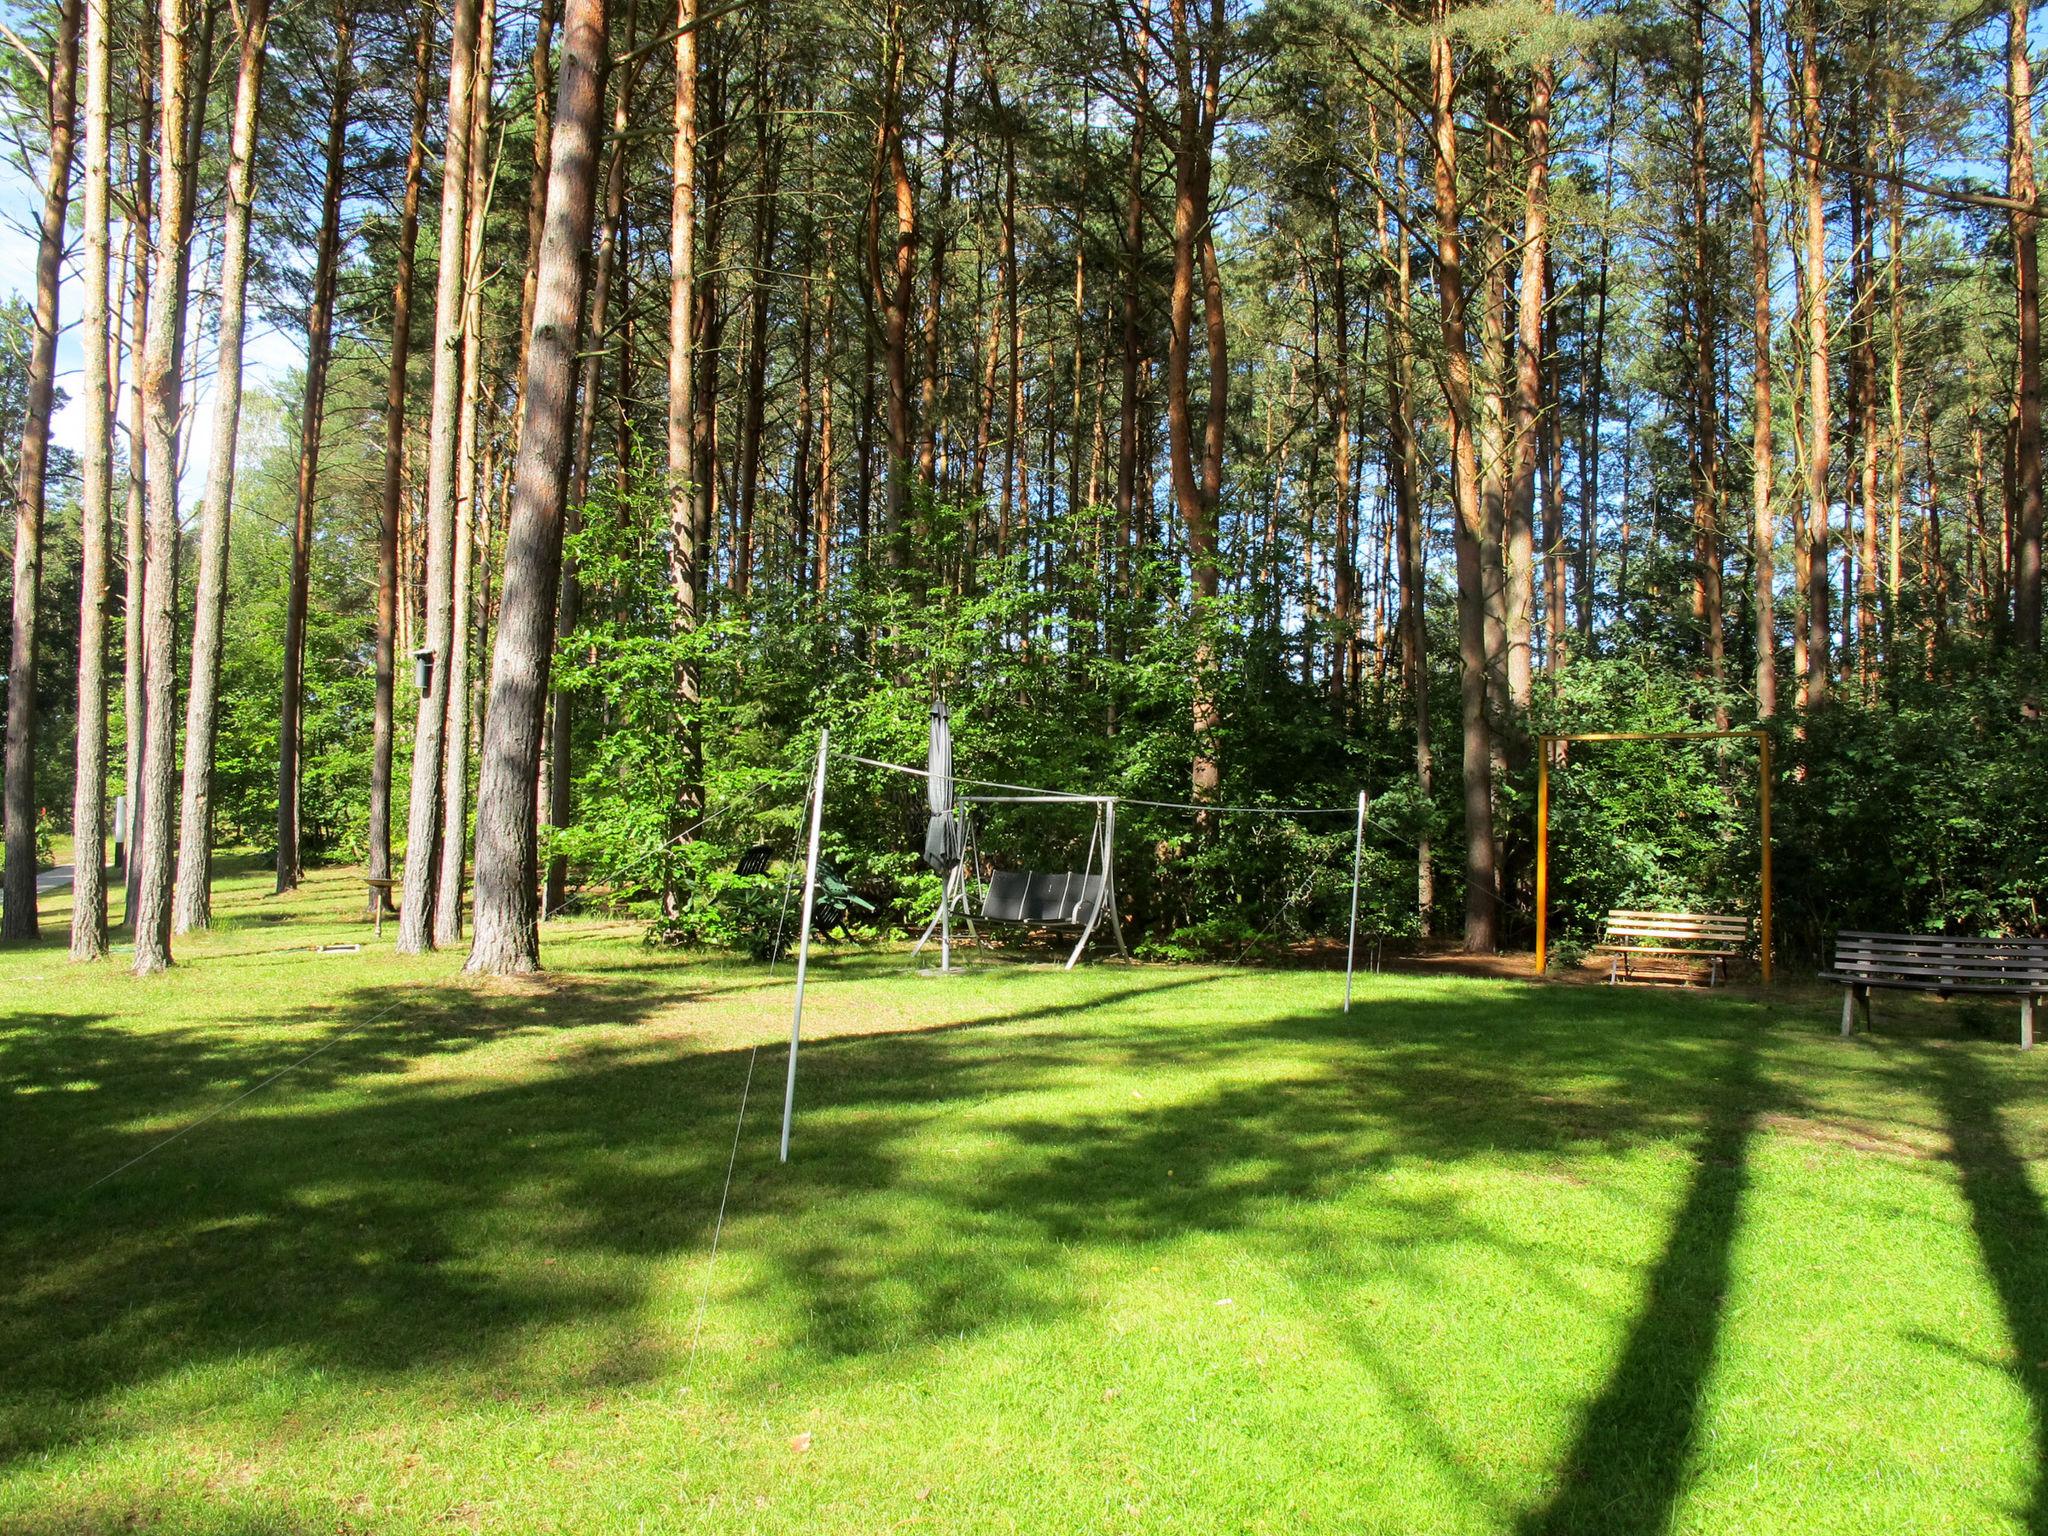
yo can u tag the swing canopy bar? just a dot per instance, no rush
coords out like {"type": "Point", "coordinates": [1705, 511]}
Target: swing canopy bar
{"type": "Point", "coordinates": [1028, 793]}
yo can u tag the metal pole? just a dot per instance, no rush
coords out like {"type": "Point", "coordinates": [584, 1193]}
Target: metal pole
{"type": "Point", "coordinates": [1542, 851]}
{"type": "Point", "coordinates": [1357, 860]}
{"type": "Point", "coordinates": [1764, 811]}
{"type": "Point", "coordinates": [803, 940]}
{"type": "Point", "coordinates": [946, 922]}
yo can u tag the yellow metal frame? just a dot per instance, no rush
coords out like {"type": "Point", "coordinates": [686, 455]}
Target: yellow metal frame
{"type": "Point", "coordinates": [1543, 746]}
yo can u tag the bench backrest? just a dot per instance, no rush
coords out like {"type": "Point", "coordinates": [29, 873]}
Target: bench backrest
{"type": "Point", "coordinates": [1031, 896]}
{"type": "Point", "coordinates": [1705, 928]}
{"type": "Point", "coordinates": [1934, 957]}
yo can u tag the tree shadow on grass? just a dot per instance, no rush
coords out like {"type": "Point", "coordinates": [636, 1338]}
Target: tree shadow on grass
{"type": "Point", "coordinates": [367, 1218]}
{"type": "Point", "coordinates": [1626, 1469]}
{"type": "Point", "coordinates": [2011, 1225]}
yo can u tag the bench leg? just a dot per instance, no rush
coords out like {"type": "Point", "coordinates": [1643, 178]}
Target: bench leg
{"type": "Point", "coordinates": [2027, 1023]}
{"type": "Point", "coordinates": [1848, 1011]}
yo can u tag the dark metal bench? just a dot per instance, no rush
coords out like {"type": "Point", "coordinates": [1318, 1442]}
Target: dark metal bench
{"type": "Point", "coordinates": [1063, 900]}
{"type": "Point", "coordinates": [1672, 939]}
{"type": "Point", "coordinates": [1938, 963]}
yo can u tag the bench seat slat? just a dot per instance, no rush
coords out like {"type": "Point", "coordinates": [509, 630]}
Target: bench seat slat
{"type": "Point", "coordinates": [1693, 952]}
{"type": "Point", "coordinates": [1911, 984]}
{"type": "Point", "coordinates": [1984, 966]}
{"type": "Point", "coordinates": [1939, 967]}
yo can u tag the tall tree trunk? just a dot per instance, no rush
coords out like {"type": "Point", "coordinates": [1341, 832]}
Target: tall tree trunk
{"type": "Point", "coordinates": [423, 812]}
{"type": "Point", "coordinates": [1814, 683]}
{"type": "Point", "coordinates": [193, 904]}
{"type": "Point", "coordinates": [935, 293]}
{"type": "Point", "coordinates": [162, 388]}
{"type": "Point", "coordinates": [391, 504]}
{"type": "Point", "coordinates": [1708, 611]}
{"type": "Point", "coordinates": [827, 514]}
{"type": "Point", "coordinates": [97, 324]}
{"type": "Point", "coordinates": [507, 927]}
{"type": "Point", "coordinates": [134, 559]}
{"type": "Point", "coordinates": [1764, 536]}
{"type": "Point", "coordinates": [1481, 866]}
{"type": "Point", "coordinates": [18, 921]}
{"type": "Point", "coordinates": [470, 522]}
{"type": "Point", "coordinates": [542, 70]}
{"type": "Point", "coordinates": [1521, 543]}
{"type": "Point", "coordinates": [687, 545]}
{"type": "Point", "coordinates": [561, 767]}
{"type": "Point", "coordinates": [892, 282]}
{"type": "Point", "coordinates": [1556, 613]}
{"type": "Point", "coordinates": [1193, 260]}
{"type": "Point", "coordinates": [754, 391]}
{"type": "Point", "coordinates": [1408, 534]}
{"type": "Point", "coordinates": [1863, 339]}
{"type": "Point", "coordinates": [312, 419]}
{"type": "Point", "coordinates": [1344, 575]}
{"type": "Point", "coordinates": [1490, 421]}
{"type": "Point", "coordinates": [1895, 288]}
{"type": "Point", "coordinates": [708, 313]}
{"type": "Point", "coordinates": [2020, 186]}
{"type": "Point", "coordinates": [1131, 351]}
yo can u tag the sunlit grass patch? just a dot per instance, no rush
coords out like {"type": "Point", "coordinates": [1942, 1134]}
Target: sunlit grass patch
{"type": "Point", "coordinates": [1123, 1249]}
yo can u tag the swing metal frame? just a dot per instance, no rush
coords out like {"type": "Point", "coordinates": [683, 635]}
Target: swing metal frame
{"type": "Point", "coordinates": [1102, 845]}
{"type": "Point", "coordinates": [1101, 855]}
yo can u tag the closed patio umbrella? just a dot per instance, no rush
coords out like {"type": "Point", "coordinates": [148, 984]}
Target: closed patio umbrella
{"type": "Point", "coordinates": [942, 839]}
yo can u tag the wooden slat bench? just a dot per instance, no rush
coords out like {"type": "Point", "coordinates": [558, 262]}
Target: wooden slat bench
{"type": "Point", "coordinates": [1929, 962]}
{"type": "Point", "coordinates": [1672, 939]}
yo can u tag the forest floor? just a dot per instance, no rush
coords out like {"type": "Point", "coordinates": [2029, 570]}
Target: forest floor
{"type": "Point", "coordinates": [1127, 1249]}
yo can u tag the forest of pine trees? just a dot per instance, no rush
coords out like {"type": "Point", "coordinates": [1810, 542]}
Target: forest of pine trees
{"type": "Point", "coordinates": [1219, 400]}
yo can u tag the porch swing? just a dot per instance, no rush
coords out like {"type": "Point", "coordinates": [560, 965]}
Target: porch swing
{"type": "Point", "coordinates": [1061, 900]}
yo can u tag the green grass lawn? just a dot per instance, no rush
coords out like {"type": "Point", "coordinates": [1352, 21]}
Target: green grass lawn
{"type": "Point", "coordinates": [1131, 1249]}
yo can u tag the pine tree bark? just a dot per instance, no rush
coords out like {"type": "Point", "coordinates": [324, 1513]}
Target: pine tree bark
{"type": "Point", "coordinates": [1130, 352]}
{"type": "Point", "coordinates": [470, 521]}
{"type": "Point", "coordinates": [541, 68]}
{"type": "Point", "coordinates": [892, 283]}
{"type": "Point", "coordinates": [1764, 535]}
{"type": "Point", "coordinates": [423, 815]}
{"type": "Point", "coordinates": [1197, 97]}
{"type": "Point", "coordinates": [935, 292]}
{"type": "Point", "coordinates": [1344, 536]}
{"type": "Point", "coordinates": [1814, 681]}
{"type": "Point", "coordinates": [312, 421]}
{"type": "Point", "coordinates": [1521, 550]}
{"type": "Point", "coordinates": [193, 895]}
{"type": "Point", "coordinates": [768, 142]}
{"type": "Point", "coordinates": [507, 920]}
{"type": "Point", "coordinates": [1481, 861]}
{"type": "Point", "coordinates": [162, 388]}
{"type": "Point", "coordinates": [97, 324]}
{"type": "Point", "coordinates": [391, 505]}
{"type": "Point", "coordinates": [132, 547]}
{"type": "Point", "coordinates": [1708, 612]}
{"type": "Point", "coordinates": [688, 551]}
{"type": "Point", "coordinates": [1408, 534]}
{"type": "Point", "coordinates": [18, 919]}
{"type": "Point", "coordinates": [2022, 188]}
{"type": "Point", "coordinates": [561, 744]}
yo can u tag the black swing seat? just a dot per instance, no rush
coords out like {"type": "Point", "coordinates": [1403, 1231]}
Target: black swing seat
{"type": "Point", "coordinates": [1066, 899]}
